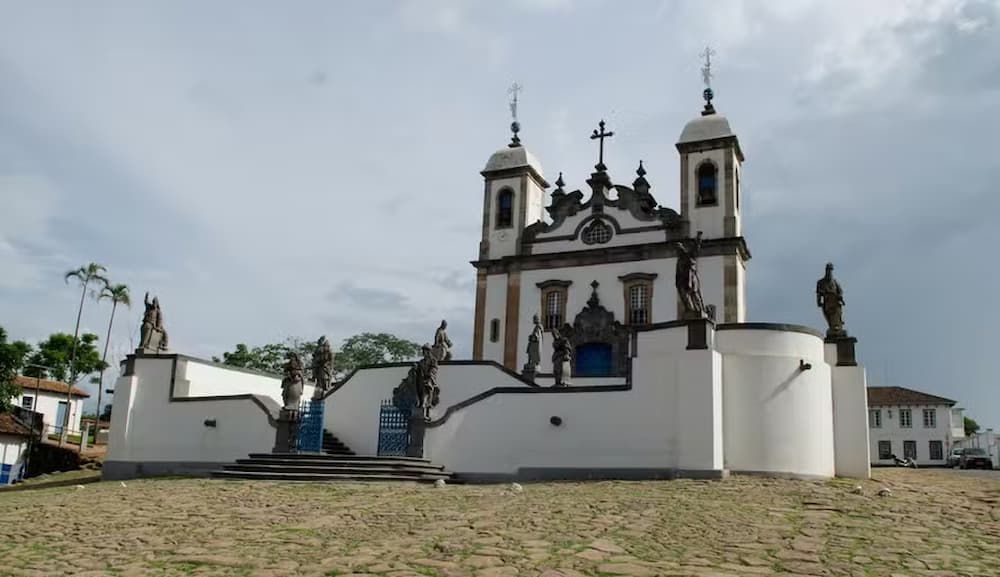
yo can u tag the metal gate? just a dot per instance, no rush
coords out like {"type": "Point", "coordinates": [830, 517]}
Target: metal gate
{"type": "Point", "coordinates": [393, 430]}
{"type": "Point", "coordinates": [309, 437]}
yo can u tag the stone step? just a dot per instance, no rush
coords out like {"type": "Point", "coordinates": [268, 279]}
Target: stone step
{"type": "Point", "coordinates": [338, 469]}
{"type": "Point", "coordinates": [327, 457]}
{"type": "Point", "coordinates": [292, 476]}
{"type": "Point", "coordinates": [355, 463]}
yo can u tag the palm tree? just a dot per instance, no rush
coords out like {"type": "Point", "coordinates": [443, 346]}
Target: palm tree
{"type": "Point", "coordinates": [84, 275]}
{"type": "Point", "coordinates": [119, 295]}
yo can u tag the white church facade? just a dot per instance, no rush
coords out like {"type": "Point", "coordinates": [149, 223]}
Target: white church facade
{"type": "Point", "coordinates": [652, 392]}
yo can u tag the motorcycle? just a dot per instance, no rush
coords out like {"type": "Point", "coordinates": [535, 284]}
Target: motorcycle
{"type": "Point", "coordinates": [904, 462]}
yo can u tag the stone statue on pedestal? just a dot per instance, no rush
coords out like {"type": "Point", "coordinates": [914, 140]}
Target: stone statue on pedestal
{"type": "Point", "coordinates": [322, 367]}
{"type": "Point", "coordinates": [686, 278]}
{"type": "Point", "coordinates": [562, 356]}
{"type": "Point", "coordinates": [291, 384]}
{"type": "Point", "coordinates": [428, 393]}
{"type": "Point", "coordinates": [442, 344]}
{"type": "Point", "coordinates": [153, 337]}
{"type": "Point", "coordinates": [830, 298]}
{"type": "Point", "coordinates": [534, 351]}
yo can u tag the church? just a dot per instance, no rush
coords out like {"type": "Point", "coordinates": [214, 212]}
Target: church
{"type": "Point", "coordinates": [611, 340]}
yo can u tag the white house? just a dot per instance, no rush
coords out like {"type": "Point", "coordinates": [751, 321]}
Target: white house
{"type": "Point", "coordinates": [909, 423]}
{"type": "Point", "coordinates": [988, 440]}
{"type": "Point", "coordinates": [49, 398]}
{"type": "Point", "coordinates": [652, 394]}
{"type": "Point", "coordinates": [14, 437]}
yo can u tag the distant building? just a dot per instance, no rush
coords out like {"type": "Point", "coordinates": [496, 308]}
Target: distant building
{"type": "Point", "coordinates": [988, 440]}
{"type": "Point", "coordinates": [14, 437]}
{"type": "Point", "coordinates": [49, 398]}
{"type": "Point", "coordinates": [908, 423]}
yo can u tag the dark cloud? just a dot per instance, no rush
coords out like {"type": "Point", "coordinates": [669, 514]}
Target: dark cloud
{"type": "Point", "coordinates": [376, 298]}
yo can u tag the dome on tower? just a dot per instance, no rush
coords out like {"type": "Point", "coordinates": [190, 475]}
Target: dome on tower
{"type": "Point", "coordinates": [513, 157]}
{"type": "Point", "coordinates": [706, 127]}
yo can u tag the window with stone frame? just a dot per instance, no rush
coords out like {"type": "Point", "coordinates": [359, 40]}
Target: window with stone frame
{"type": "Point", "coordinates": [27, 402]}
{"type": "Point", "coordinates": [553, 305]}
{"type": "Point", "coordinates": [910, 450]}
{"type": "Point", "coordinates": [930, 418]}
{"type": "Point", "coordinates": [707, 176]}
{"type": "Point", "coordinates": [638, 294]}
{"type": "Point", "coordinates": [905, 418]}
{"type": "Point", "coordinates": [936, 450]}
{"type": "Point", "coordinates": [875, 418]}
{"type": "Point", "coordinates": [884, 450]}
{"type": "Point", "coordinates": [494, 330]}
{"type": "Point", "coordinates": [505, 209]}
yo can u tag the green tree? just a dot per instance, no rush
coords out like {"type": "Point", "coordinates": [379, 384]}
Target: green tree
{"type": "Point", "coordinates": [57, 352]}
{"type": "Point", "coordinates": [269, 358]}
{"type": "Point", "coordinates": [971, 427]}
{"type": "Point", "coordinates": [118, 295]}
{"type": "Point", "coordinates": [91, 273]}
{"type": "Point", "coordinates": [12, 358]}
{"type": "Point", "coordinates": [372, 349]}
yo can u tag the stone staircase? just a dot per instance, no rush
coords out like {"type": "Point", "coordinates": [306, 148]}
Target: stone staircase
{"type": "Point", "coordinates": [337, 462]}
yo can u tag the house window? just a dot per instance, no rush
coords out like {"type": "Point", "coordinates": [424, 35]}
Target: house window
{"type": "Point", "coordinates": [875, 419]}
{"type": "Point", "coordinates": [638, 297]}
{"type": "Point", "coordinates": [505, 208]}
{"type": "Point", "coordinates": [27, 402]}
{"type": "Point", "coordinates": [708, 176]}
{"type": "Point", "coordinates": [937, 450]}
{"type": "Point", "coordinates": [599, 232]}
{"type": "Point", "coordinates": [905, 418]}
{"type": "Point", "coordinates": [494, 330]}
{"type": "Point", "coordinates": [930, 418]}
{"type": "Point", "coordinates": [884, 450]}
{"type": "Point", "coordinates": [910, 450]}
{"type": "Point", "coordinates": [554, 303]}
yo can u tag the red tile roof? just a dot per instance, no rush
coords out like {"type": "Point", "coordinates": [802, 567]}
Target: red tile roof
{"type": "Point", "coordinates": [11, 426]}
{"type": "Point", "coordinates": [883, 396]}
{"type": "Point", "coordinates": [30, 383]}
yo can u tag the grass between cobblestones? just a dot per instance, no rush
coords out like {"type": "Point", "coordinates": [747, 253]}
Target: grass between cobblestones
{"type": "Point", "coordinates": [936, 523]}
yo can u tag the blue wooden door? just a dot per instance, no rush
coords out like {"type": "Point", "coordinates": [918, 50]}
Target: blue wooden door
{"type": "Point", "coordinates": [60, 416]}
{"type": "Point", "coordinates": [594, 360]}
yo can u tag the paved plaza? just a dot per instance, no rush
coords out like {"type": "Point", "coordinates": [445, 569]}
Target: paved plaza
{"type": "Point", "coordinates": [935, 523]}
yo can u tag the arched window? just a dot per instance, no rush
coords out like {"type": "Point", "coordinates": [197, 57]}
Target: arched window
{"type": "Point", "coordinates": [707, 183]}
{"type": "Point", "coordinates": [505, 208]}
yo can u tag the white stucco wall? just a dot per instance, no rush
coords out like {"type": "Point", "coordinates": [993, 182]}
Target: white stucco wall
{"type": "Point", "coordinates": [710, 219]}
{"type": "Point", "coordinates": [850, 418]}
{"type": "Point", "coordinates": [352, 411]}
{"type": "Point", "coordinates": [13, 451]}
{"type": "Point", "coordinates": [197, 378]}
{"type": "Point", "coordinates": [496, 308]}
{"type": "Point", "coordinates": [892, 431]}
{"type": "Point", "coordinates": [776, 418]}
{"type": "Point", "coordinates": [503, 242]}
{"type": "Point", "coordinates": [48, 405]}
{"type": "Point", "coordinates": [147, 427]}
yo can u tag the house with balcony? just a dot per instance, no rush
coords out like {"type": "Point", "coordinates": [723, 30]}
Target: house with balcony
{"type": "Point", "coordinates": [50, 399]}
{"type": "Point", "coordinates": [909, 423]}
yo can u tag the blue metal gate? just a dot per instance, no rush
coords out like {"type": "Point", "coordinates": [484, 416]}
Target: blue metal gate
{"type": "Point", "coordinates": [310, 434]}
{"type": "Point", "coordinates": [393, 430]}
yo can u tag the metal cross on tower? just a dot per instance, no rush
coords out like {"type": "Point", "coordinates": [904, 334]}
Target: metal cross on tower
{"type": "Point", "coordinates": [515, 126]}
{"type": "Point", "coordinates": [706, 76]}
{"type": "Point", "coordinates": [601, 135]}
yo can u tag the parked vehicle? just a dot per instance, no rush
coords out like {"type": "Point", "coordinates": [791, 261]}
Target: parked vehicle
{"type": "Point", "coordinates": [904, 462]}
{"type": "Point", "coordinates": [955, 457]}
{"type": "Point", "coordinates": [975, 458]}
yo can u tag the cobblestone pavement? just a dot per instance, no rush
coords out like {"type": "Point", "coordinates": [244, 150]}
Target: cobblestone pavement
{"type": "Point", "coordinates": [935, 523]}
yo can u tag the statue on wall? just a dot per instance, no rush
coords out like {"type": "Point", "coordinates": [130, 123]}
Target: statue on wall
{"type": "Point", "coordinates": [292, 382]}
{"type": "Point", "coordinates": [322, 367]}
{"type": "Point", "coordinates": [686, 278]}
{"type": "Point", "coordinates": [442, 344]}
{"type": "Point", "coordinates": [428, 393]}
{"type": "Point", "coordinates": [562, 357]}
{"type": "Point", "coordinates": [153, 337]}
{"type": "Point", "coordinates": [830, 298]}
{"type": "Point", "coordinates": [534, 351]}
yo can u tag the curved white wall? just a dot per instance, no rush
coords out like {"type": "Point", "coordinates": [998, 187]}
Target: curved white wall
{"type": "Point", "coordinates": [776, 418]}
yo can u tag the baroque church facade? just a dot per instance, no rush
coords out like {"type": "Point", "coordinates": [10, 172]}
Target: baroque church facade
{"type": "Point", "coordinates": [614, 243]}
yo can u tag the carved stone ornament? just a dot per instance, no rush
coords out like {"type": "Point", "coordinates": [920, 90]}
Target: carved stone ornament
{"type": "Point", "coordinates": [597, 232]}
{"type": "Point", "coordinates": [596, 324]}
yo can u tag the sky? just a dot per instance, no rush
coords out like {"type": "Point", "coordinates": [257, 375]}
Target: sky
{"type": "Point", "coordinates": [274, 170]}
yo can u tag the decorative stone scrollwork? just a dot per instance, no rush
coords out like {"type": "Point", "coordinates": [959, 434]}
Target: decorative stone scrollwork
{"type": "Point", "coordinates": [595, 326]}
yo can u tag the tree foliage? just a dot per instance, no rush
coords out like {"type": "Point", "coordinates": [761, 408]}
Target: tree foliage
{"type": "Point", "coordinates": [971, 427]}
{"type": "Point", "coordinates": [56, 351]}
{"type": "Point", "coordinates": [356, 351]}
{"type": "Point", "coordinates": [12, 358]}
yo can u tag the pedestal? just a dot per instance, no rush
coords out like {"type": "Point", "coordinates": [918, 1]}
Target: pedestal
{"type": "Point", "coordinates": [528, 372]}
{"type": "Point", "coordinates": [415, 447]}
{"type": "Point", "coordinates": [284, 436]}
{"type": "Point", "coordinates": [845, 349]}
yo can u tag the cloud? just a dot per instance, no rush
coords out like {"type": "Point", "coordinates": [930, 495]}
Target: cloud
{"type": "Point", "coordinates": [377, 298]}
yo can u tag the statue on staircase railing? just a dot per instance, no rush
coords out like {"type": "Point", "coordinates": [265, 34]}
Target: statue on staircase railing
{"type": "Point", "coordinates": [686, 278]}
{"type": "Point", "coordinates": [322, 367]}
{"type": "Point", "coordinates": [562, 357]}
{"type": "Point", "coordinates": [442, 344]}
{"type": "Point", "coordinates": [292, 382]}
{"type": "Point", "coordinates": [153, 337]}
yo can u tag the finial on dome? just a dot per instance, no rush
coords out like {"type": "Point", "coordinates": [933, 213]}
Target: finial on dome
{"type": "Point", "coordinates": [706, 75]}
{"type": "Point", "coordinates": [559, 181]}
{"type": "Point", "coordinates": [515, 126]}
{"type": "Point", "coordinates": [640, 171]}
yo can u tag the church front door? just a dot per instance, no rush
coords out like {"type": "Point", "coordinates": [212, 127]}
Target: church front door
{"type": "Point", "coordinates": [594, 360]}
